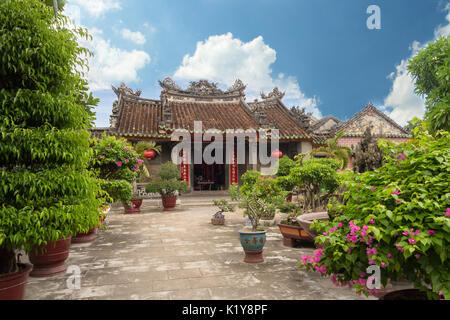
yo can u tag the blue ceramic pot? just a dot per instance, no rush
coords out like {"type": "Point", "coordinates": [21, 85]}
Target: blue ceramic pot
{"type": "Point", "coordinates": [252, 241]}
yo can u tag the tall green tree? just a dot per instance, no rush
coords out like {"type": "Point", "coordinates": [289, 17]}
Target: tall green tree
{"type": "Point", "coordinates": [430, 69]}
{"type": "Point", "coordinates": [46, 191]}
{"type": "Point", "coordinates": [340, 153]}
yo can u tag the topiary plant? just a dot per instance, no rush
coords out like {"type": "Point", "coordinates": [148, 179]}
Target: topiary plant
{"type": "Point", "coordinates": [168, 182]}
{"type": "Point", "coordinates": [368, 156]}
{"type": "Point", "coordinates": [46, 191]}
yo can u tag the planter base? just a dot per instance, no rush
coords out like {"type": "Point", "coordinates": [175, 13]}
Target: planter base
{"type": "Point", "coordinates": [48, 270]}
{"type": "Point", "coordinates": [169, 209]}
{"type": "Point", "coordinates": [288, 242]}
{"type": "Point", "coordinates": [12, 287]}
{"type": "Point", "coordinates": [85, 237]}
{"type": "Point", "coordinates": [406, 294]}
{"type": "Point", "coordinates": [218, 221]}
{"type": "Point", "coordinates": [253, 256]}
{"type": "Point", "coordinates": [52, 261]}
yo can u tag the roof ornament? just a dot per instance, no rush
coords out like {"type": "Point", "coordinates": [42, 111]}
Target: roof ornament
{"type": "Point", "coordinates": [169, 84]}
{"type": "Point", "coordinates": [203, 87]}
{"type": "Point", "coordinates": [302, 118]}
{"type": "Point", "coordinates": [275, 93]}
{"type": "Point", "coordinates": [125, 90]}
{"type": "Point", "coordinates": [237, 86]}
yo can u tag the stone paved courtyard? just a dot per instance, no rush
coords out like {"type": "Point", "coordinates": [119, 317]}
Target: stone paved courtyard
{"type": "Point", "coordinates": [181, 255]}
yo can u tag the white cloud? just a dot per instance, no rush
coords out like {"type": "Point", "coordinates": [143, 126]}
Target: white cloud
{"type": "Point", "coordinates": [97, 8]}
{"type": "Point", "coordinates": [402, 104]}
{"type": "Point", "coordinates": [134, 36]}
{"type": "Point", "coordinates": [110, 64]}
{"type": "Point", "coordinates": [223, 59]}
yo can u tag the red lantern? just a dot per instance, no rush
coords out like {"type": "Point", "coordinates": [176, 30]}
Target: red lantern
{"type": "Point", "coordinates": [277, 154]}
{"type": "Point", "coordinates": [149, 154]}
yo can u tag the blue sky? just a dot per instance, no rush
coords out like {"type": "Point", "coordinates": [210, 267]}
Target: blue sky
{"type": "Point", "coordinates": [320, 52]}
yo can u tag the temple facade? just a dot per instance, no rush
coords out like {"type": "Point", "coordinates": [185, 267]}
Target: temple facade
{"type": "Point", "coordinates": [227, 114]}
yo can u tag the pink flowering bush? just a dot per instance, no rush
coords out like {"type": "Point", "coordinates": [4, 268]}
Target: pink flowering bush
{"type": "Point", "coordinates": [396, 217]}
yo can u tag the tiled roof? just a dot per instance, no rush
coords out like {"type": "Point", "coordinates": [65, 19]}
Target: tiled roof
{"type": "Point", "coordinates": [139, 118]}
{"type": "Point", "coordinates": [219, 116]}
{"type": "Point", "coordinates": [319, 123]}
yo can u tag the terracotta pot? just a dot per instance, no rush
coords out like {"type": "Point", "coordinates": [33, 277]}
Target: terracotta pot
{"type": "Point", "coordinates": [52, 260]}
{"type": "Point", "coordinates": [406, 294]}
{"type": "Point", "coordinates": [12, 286]}
{"type": "Point", "coordinates": [135, 208]}
{"type": "Point", "coordinates": [291, 233]}
{"type": "Point", "coordinates": [169, 202]}
{"type": "Point", "coordinates": [218, 220]}
{"type": "Point", "coordinates": [306, 220]}
{"type": "Point", "coordinates": [85, 237]}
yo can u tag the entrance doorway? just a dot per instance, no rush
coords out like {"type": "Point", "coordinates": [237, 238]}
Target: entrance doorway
{"type": "Point", "coordinates": [209, 176]}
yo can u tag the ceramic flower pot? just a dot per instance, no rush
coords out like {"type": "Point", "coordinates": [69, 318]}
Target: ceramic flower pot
{"type": "Point", "coordinates": [85, 237]}
{"type": "Point", "coordinates": [253, 243]}
{"type": "Point", "coordinates": [135, 206]}
{"type": "Point", "coordinates": [169, 202]}
{"type": "Point", "coordinates": [51, 260]}
{"type": "Point", "coordinates": [218, 219]}
{"type": "Point", "coordinates": [291, 233]}
{"type": "Point", "coordinates": [12, 286]}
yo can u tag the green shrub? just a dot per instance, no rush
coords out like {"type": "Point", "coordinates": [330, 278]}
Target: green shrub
{"type": "Point", "coordinates": [168, 182]}
{"type": "Point", "coordinates": [46, 191]}
{"type": "Point", "coordinates": [397, 217]}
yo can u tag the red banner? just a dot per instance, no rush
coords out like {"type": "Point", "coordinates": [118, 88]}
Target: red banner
{"type": "Point", "coordinates": [184, 168]}
{"type": "Point", "coordinates": [233, 169]}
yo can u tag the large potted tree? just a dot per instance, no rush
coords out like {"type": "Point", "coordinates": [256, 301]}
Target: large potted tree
{"type": "Point", "coordinates": [44, 147]}
{"type": "Point", "coordinates": [259, 196]}
{"type": "Point", "coordinates": [396, 218]}
{"type": "Point", "coordinates": [116, 163]}
{"type": "Point", "coordinates": [168, 184]}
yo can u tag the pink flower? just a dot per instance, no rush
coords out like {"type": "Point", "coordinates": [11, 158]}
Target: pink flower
{"type": "Point", "coordinates": [383, 264]}
{"type": "Point", "coordinates": [405, 233]}
{"type": "Point", "coordinates": [126, 160]}
{"type": "Point", "coordinates": [396, 192]}
{"type": "Point", "coordinates": [139, 161]}
{"type": "Point", "coordinates": [417, 232]}
{"type": "Point", "coordinates": [372, 221]}
{"type": "Point", "coordinates": [447, 212]}
{"type": "Point", "coordinates": [340, 225]}
{"type": "Point", "coordinates": [431, 232]}
{"type": "Point", "coordinates": [136, 168]}
{"type": "Point", "coordinates": [417, 256]}
{"type": "Point", "coordinates": [389, 255]}
{"type": "Point", "coordinates": [324, 233]}
{"type": "Point", "coordinates": [412, 241]}
{"type": "Point", "coordinates": [119, 163]}
{"type": "Point", "coordinates": [373, 189]}
{"type": "Point", "coordinates": [402, 156]}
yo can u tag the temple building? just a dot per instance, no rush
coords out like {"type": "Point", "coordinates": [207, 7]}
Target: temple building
{"type": "Point", "coordinates": [139, 119]}
{"type": "Point", "coordinates": [229, 114]}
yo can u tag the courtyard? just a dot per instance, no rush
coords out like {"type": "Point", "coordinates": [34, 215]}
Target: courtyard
{"type": "Point", "coordinates": [181, 255]}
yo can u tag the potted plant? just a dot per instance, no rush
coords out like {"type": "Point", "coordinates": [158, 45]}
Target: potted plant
{"type": "Point", "coordinates": [290, 228]}
{"type": "Point", "coordinates": [168, 184]}
{"type": "Point", "coordinates": [397, 218]}
{"type": "Point", "coordinates": [285, 164]}
{"type": "Point", "coordinates": [259, 195]}
{"type": "Point", "coordinates": [118, 165]}
{"type": "Point", "coordinates": [218, 218]}
{"type": "Point", "coordinates": [46, 192]}
{"type": "Point", "coordinates": [318, 180]}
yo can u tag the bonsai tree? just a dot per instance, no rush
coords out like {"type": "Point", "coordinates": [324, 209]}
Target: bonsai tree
{"type": "Point", "coordinates": [315, 176]}
{"type": "Point", "coordinates": [223, 207]}
{"type": "Point", "coordinates": [117, 165]}
{"type": "Point", "coordinates": [334, 151]}
{"type": "Point", "coordinates": [46, 191]}
{"type": "Point", "coordinates": [168, 182]}
{"type": "Point", "coordinates": [397, 218]}
{"type": "Point", "coordinates": [368, 156]}
{"type": "Point", "coordinates": [260, 195]}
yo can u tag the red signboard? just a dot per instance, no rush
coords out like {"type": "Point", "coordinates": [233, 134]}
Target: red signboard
{"type": "Point", "coordinates": [233, 169]}
{"type": "Point", "coordinates": [184, 168]}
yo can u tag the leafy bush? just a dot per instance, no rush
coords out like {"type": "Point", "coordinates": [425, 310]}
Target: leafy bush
{"type": "Point", "coordinates": [115, 159]}
{"type": "Point", "coordinates": [285, 164]}
{"type": "Point", "coordinates": [314, 175]}
{"type": "Point", "coordinates": [397, 218]}
{"type": "Point", "coordinates": [118, 190]}
{"type": "Point", "coordinates": [260, 197]}
{"type": "Point", "coordinates": [46, 191]}
{"type": "Point", "coordinates": [168, 182]}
